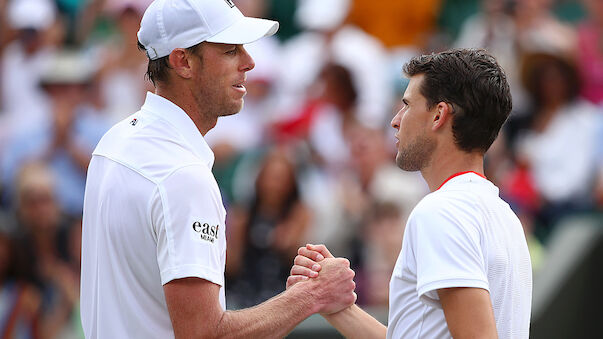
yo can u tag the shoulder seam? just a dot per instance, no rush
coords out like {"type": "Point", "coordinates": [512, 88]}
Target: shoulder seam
{"type": "Point", "coordinates": [126, 166]}
{"type": "Point", "coordinates": [154, 181]}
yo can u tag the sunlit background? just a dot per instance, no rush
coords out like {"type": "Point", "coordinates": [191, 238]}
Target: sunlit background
{"type": "Point", "coordinates": [311, 156]}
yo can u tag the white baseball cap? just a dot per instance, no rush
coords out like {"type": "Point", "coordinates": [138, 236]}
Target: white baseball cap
{"type": "Point", "coordinates": [321, 15]}
{"type": "Point", "coordinates": [36, 14]}
{"type": "Point", "coordinates": [170, 24]}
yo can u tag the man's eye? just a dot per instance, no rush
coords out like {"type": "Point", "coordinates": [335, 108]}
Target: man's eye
{"type": "Point", "coordinates": [232, 51]}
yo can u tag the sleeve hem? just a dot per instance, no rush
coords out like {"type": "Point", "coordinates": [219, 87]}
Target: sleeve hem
{"type": "Point", "coordinates": [195, 271]}
{"type": "Point", "coordinates": [428, 295]}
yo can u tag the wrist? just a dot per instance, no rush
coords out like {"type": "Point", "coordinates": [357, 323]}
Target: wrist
{"type": "Point", "coordinates": [307, 292]}
{"type": "Point", "coordinates": [341, 313]}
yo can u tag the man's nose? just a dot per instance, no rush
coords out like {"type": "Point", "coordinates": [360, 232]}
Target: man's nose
{"type": "Point", "coordinates": [248, 63]}
{"type": "Point", "coordinates": [395, 123]}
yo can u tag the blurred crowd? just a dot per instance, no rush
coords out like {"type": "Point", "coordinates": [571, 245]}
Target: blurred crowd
{"type": "Point", "coordinates": [310, 158]}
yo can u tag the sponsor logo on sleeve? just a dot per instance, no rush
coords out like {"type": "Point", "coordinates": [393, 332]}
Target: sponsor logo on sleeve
{"type": "Point", "coordinates": [206, 231]}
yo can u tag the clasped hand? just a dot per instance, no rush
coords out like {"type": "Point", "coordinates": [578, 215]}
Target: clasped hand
{"type": "Point", "coordinates": [332, 276]}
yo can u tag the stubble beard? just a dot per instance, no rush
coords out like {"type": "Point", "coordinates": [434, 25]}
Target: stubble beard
{"type": "Point", "coordinates": [231, 109]}
{"type": "Point", "coordinates": [218, 104]}
{"type": "Point", "coordinates": [416, 155]}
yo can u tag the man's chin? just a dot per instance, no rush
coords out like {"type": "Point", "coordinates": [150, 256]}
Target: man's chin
{"type": "Point", "coordinates": [234, 109]}
{"type": "Point", "coordinates": [406, 164]}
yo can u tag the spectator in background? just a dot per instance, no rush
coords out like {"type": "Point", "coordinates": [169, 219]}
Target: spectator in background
{"type": "Point", "coordinates": [66, 138]}
{"type": "Point", "coordinates": [402, 23]}
{"type": "Point", "coordinates": [263, 240]}
{"type": "Point", "coordinates": [590, 52]}
{"type": "Point", "coordinates": [539, 29]}
{"type": "Point", "coordinates": [380, 243]}
{"type": "Point", "coordinates": [67, 279]}
{"type": "Point", "coordinates": [328, 39]}
{"type": "Point", "coordinates": [334, 116]}
{"type": "Point", "coordinates": [557, 139]}
{"type": "Point", "coordinates": [19, 299]}
{"type": "Point", "coordinates": [123, 88]}
{"type": "Point", "coordinates": [43, 236]}
{"type": "Point", "coordinates": [23, 61]}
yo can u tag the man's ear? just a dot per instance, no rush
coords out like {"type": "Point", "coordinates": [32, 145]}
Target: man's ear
{"type": "Point", "coordinates": [441, 115]}
{"type": "Point", "coordinates": [179, 62]}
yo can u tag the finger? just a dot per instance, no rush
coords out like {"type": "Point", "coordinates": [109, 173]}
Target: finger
{"type": "Point", "coordinates": [322, 249]}
{"type": "Point", "coordinates": [294, 279]}
{"type": "Point", "coordinates": [300, 270]}
{"type": "Point", "coordinates": [306, 262]}
{"type": "Point", "coordinates": [314, 255]}
{"type": "Point", "coordinates": [343, 262]}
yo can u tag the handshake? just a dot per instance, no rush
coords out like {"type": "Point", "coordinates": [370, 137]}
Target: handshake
{"type": "Point", "coordinates": [329, 280]}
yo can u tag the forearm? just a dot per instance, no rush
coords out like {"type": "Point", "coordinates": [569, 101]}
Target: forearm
{"type": "Point", "coordinates": [271, 319]}
{"type": "Point", "coordinates": [353, 323]}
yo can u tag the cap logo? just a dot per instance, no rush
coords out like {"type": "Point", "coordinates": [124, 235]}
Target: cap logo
{"type": "Point", "coordinates": [230, 3]}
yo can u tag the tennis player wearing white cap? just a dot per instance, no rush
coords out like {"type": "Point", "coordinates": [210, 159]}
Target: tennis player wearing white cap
{"type": "Point", "coordinates": [153, 242]}
{"type": "Point", "coordinates": [464, 269]}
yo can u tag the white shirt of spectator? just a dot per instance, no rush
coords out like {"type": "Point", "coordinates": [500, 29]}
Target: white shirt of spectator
{"type": "Point", "coordinates": [563, 162]}
{"type": "Point", "coordinates": [152, 213]}
{"type": "Point", "coordinates": [461, 235]}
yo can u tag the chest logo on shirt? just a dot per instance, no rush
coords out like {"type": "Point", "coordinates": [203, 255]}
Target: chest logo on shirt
{"type": "Point", "coordinates": [230, 3]}
{"type": "Point", "coordinates": [206, 231]}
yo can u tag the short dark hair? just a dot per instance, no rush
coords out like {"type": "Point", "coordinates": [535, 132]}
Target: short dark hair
{"type": "Point", "coordinates": [157, 70]}
{"type": "Point", "coordinates": [476, 87]}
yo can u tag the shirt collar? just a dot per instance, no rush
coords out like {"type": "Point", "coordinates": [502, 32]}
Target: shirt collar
{"type": "Point", "coordinates": [175, 116]}
{"type": "Point", "coordinates": [465, 177]}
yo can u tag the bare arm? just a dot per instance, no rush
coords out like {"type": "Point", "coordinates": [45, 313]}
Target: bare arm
{"type": "Point", "coordinates": [196, 313]}
{"type": "Point", "coordinates": [468, 312]}
{"type": "Point", "coordinates": [352, 322]}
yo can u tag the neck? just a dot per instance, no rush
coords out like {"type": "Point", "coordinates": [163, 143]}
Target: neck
{"type": "Point", "coordinates": [449, 162]}
{"type": "Point", "coordinates": [182, 97]}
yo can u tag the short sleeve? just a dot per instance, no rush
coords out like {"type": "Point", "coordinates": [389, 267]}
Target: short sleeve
{"type": "Point", "coordinates": [448, 248]}
{"type": "Point", "coordinates": [189, 219]}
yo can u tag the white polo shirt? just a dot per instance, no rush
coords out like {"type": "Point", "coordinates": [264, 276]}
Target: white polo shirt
{"type": "Point", "coordinates": [461, 235]}
{"type": "Point", "coordinates": [152, 213]}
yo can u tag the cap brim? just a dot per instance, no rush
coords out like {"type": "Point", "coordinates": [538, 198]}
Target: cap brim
{"type": "Point", "coordinates": [245, 30]}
